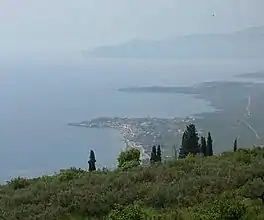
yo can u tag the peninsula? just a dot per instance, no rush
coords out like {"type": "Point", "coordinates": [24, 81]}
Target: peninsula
{"type": "Point", "coordinates": [143, 132]}
{"type": "Point", "coordinates": [254, 75]}
{"type": "Point", "coordinates": [238, 114]}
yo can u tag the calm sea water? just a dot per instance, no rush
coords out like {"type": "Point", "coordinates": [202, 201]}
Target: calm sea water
{"type": "Point", "coordinates": [39, 97]}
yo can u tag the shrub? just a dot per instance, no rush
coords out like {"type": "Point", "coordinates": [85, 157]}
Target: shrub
{"type": "Point", "coordinates": [254, 189]}
{"type": "Point", "coordinates": [129, 159]}
{"type": "Point", "coordinates": [243, 155]}
{"type": "Point", "coordinates": [19, 183]}
{"type": "Point", "coordinates": [220, 209]}
{"type": "Point", "coordinates": [70, 174]}
{"type": "Point", "coordinates": [131, 212]}
{"type": "Point", "coordinates": [212, 188]}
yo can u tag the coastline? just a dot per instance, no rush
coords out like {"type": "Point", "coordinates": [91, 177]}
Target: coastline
{"type": "Point", "coordinates": [124, 132]}
{"type": "Point", "coordinates": [148, 131]}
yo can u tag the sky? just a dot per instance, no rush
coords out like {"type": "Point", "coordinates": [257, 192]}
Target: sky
{"type": "Point", "coordinates": [67, 25]}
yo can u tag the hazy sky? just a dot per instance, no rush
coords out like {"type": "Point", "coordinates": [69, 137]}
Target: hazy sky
{"type": "Point", "coordinates": [38, 25]}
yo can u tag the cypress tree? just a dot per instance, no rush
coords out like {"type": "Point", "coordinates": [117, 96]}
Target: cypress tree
{"type": "Point", "coordinates": [158, 158]}
{"type": "Point", "coordinates": [209, 146]}
{"type": "Point", "coordinates": [190, 140]}
{"type": "Point", "coordinates": [153, 156]}
{"type": "Point", "coordinates": [92, 161]}
{"type": "Point", "coordinates": [235, 145]}
{"type": "Point", "coordinates": [182, 153]}
{"type": "Point", "coordinates": [203, 146]}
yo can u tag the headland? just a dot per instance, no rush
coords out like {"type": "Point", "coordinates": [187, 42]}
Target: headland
{"type": "Point", "coordinates": [238, 113]}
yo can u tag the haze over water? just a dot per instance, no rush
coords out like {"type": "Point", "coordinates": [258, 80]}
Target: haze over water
{"type": "Point", "coordinates": [39, 98]}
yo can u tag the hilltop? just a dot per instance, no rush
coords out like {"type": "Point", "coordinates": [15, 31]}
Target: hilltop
{"type": "Point", "coordinates": [226, 186]}
{"type": "Point", "coordinates": [248, 43]}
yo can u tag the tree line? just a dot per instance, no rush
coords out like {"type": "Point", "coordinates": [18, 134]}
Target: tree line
{"type": "Point", "coordinates": [191, 144]}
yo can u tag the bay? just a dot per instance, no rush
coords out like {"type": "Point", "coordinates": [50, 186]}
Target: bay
{"type": "Point", "coordinates": [40, 96]}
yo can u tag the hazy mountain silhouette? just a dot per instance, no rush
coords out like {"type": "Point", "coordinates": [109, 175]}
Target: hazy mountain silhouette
{"type": "Point", "coordinates": [248, 43]}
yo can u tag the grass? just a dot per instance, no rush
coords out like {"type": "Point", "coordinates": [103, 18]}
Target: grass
{"type": "Point", "coordinates": [227, 186]}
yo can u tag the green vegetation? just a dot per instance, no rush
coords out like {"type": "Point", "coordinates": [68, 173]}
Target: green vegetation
{"type": "Point", "coordinates": [209, 145]}
{"type": "Point", "coordinates": [227, 186]}
{"type": "Point", "coordinates": [158, 158]}
{"type": "Point", "coordinates": [203, 146]}
{"type": "Point", "coordinates": [190, 140]}
{"type": "Point", "coordinates": [190, 143]}
{"type": "Point", "coordinates": [129, 159]}
{"type": "Point", "coordinates": [153, 155]}
{"type": "Point", "coordinates": [235, 145]}
{"type": "Point", "coordinates": [217, 187]}
{"type": "Point", "coordinates": [92, 161]}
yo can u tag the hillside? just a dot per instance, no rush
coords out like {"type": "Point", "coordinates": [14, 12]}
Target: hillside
{"type": "Point", "coordinates": [228, 186]}
{"type": "Point", "coordinates": [248, 43]}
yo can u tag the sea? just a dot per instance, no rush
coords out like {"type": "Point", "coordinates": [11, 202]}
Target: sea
{"type": "Point", "coordinates": [39, 96]}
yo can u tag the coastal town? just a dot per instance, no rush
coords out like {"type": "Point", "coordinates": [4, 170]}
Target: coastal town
{"type": "Point", "coordinates": [143, 133]}
{"type": "Point", "coordinates": [242, 119]}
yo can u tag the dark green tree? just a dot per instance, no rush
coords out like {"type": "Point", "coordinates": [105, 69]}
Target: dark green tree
{"type": "Point", "coordinates": [235, 145]}
{"type": "Point", "coordinates": [209, 145]}
{"type": "Point", "coordinates": [158, 158]}
{"type": "Point", "coordinates": [153, 156]}
{"type": "Point", "coordinates": [182, 153]}
{"type": "Point", "coordinates": [190, 140]}
{"type": "Point", "coordinates": [92, 161]}
{"type": "Point", "coordinates": [203, 146]}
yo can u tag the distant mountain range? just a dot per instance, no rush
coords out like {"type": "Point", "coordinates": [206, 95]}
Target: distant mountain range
{"type": "Point", "coordinates": [248, 43]}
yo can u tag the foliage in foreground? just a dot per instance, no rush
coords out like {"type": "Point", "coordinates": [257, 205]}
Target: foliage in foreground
{"type": "Point", "coordinates": [129, 159]}
{"type": "Point", "coordinates": [228, 186]}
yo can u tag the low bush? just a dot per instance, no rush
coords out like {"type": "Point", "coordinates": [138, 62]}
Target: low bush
{"type": "Point", "coordinates": [228, 186]}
